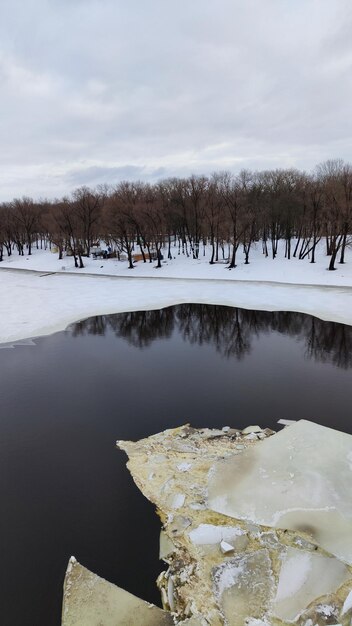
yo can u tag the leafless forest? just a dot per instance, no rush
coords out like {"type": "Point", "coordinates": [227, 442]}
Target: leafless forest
{"type": "Point", "coordinates": [182, 215]}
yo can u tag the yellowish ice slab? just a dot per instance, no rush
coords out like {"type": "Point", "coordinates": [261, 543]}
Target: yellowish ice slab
{"type": "Point", "coordinates": [303, 577]}
{"type": "Point", "coordinates": [92, 601]}
{"type": "Point", "coordinates": [247, 519]}
{"type": "Point", "coordinates": [298, 479]}
{"type": "Point", "coordinates": [225, 570]}
{"type": "Point", "coordinates": [244, 586]}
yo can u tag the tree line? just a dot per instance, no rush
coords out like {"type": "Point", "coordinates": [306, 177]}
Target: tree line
{"type": "Point", "coordinates": [228, 212]}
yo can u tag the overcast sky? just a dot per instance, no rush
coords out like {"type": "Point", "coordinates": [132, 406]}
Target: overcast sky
{"type": "Point", "coordinates": [95, 91]}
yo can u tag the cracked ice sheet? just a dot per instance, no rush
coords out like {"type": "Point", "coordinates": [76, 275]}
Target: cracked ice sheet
{"type": "Point", "coordinates": [92, 601]}
{"type": "Point", "coordinates": [305, 576]}
{"type": "Point", "coordinates": [244, 587]}
{"type": "Point", "coordinates": [299, 479]}
{"type": "Point", "coordinates": [213, 587]}
{"type": "Point", "coordinates": [280, 583]}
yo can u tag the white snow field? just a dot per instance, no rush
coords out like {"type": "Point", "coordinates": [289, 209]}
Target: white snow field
{"type": "Point", "coordinates": [40, 302]}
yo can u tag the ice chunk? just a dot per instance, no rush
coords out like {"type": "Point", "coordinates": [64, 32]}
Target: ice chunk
{"type": "Point", "coordinates": [299, 479]}
{"type": "Point", "coordinates": [184, 467]}
{"type": "Point", "coordinates": [178, 500]}
{"type": "Point", "coordinates": [270, 575]}
{"type": "Point", "coordinates": [90, 600]}
{"type": "Point", "coordinates": [305, 576]}
{"type": "Point", "coordinates": [244, 586]}
{"type": "Point", "coordinates": [166, 546]}
{"type": "Point", "coordinates": [251, 429]}
{"type": "Point", "coordinates": [209, 534]}
{"type": "Point", "coordinates": [347, 606]}
{"type": "Point", "coordinates": [226, 547]}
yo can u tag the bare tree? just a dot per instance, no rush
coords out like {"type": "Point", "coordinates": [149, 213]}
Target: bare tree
{"type": "Point", "coordinates": [229, 212]}
{"type": "Point", "coordinates": [87, 205]}
{"type": "Point", "coordinates": [330, 174]}
{"type": "Point", "coordinates": [26, 220]}
{"type": "Point", "coordinates": [234, 198]}
{"type": "Point", "coordinates": [120, 206]}
{"type": "Point", "coordinates": [70, 228]}
{"type": "Point", "coordinates": [213, 213]}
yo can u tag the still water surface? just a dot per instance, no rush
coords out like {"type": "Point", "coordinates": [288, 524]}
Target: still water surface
{"type": "Point", "coordinates": [64, 401]}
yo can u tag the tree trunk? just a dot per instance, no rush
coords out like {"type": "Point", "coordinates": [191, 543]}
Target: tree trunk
{"type": "Point", "coordinates": [169, 255]}
{"type": "Point", "coordinates": [233, 257]}
{"type": "Point", "coordinates": [313, 248]}
{"type": "Point", "coordinates": [297, 244]}
{"type": "Point", "coordinates": [265, 245]}
{"type": "Point", "coordinates": [343, 247]}
{"type": "Point", "coordinates": [147, 245]}
{"type": "Point", "coordinates": [129, 254]}
{"type": "Point", "coordinates": [288, 247]}
{"type": "Point", "coordinates": [246, 252]}
{"type": "Point", "coordinates": [142, 252]}
{"type": "Point", "coordinates": [313, 251]}
{"type": "Point", "coordinates": [332, 261]}
{"type": "Point", "coordinates": [212, 251]}
{"type": "Point", "coordinates": [328, 246]}
{"type": "Point", "coordinates": [335, 247]}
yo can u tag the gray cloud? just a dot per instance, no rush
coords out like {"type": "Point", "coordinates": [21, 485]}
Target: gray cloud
{"type": "Point", "coordinates": [97, 175]}
{"type": "Point", "coordinates": [96, 90]}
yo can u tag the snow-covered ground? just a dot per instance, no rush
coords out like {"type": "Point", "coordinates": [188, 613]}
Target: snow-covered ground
{"type": "Point", "coordinates": [181, 266]}
{"type": "Point", "coordinates": [40, 302]}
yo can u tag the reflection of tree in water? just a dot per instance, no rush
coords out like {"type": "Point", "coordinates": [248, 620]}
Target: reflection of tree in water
{"type": "Point", "coordinates": [228, 329]}
{"type": "Point", "coordinates": [330, 342]}
{"type": "Point", "coordinates": [222, 327]}
{"type": "Point", "coordinates": [140, 328]}
{"type": "Point", "coordinates": [92, 326]}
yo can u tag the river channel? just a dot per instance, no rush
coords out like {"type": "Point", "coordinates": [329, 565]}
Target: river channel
{"type": "Point", "coordinates": [66, 398]}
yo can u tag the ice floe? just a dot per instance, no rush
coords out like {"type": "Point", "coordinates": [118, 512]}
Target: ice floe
{"type": "Point", "coordinates": [256, 530]}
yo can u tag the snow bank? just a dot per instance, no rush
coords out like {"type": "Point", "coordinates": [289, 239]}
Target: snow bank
{"type": "Point", "coordinates": [52, 294]}
{"type": "Point", "coordinates": [37, 304]}
{"type": "Point", "coordinates": [180, 266]}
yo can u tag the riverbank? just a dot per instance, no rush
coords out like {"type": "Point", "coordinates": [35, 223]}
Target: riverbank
{"type": "Point", "coordinates": [41, 303]}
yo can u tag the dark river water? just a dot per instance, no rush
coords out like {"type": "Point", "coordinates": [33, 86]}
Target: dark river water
{"type": "Point", "coordinates": [64, 401]}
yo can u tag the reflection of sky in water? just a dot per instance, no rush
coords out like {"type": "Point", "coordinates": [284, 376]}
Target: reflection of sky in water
{"type": "Point", "coordinates": [65, 400]}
